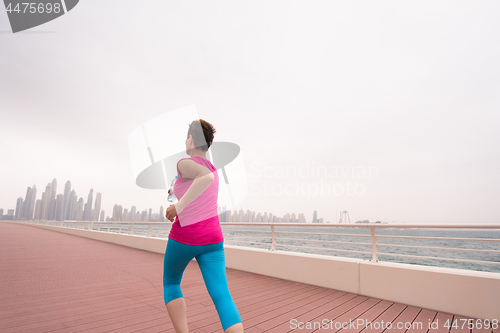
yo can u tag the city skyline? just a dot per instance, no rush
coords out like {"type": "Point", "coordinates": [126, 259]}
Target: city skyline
{"type": "Point", "coordinates": [65, 206]}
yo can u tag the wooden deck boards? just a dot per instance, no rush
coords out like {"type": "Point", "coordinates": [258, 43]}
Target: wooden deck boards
{"type": "Point", "coordinates": [55, 282]}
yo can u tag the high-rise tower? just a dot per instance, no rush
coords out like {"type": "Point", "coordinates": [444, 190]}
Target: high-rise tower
{"type": "Point", "coordinates": [79, 209]}
{"type": "Point", "coordinates": [59, 207]}
{"type": "Point", "coordinates": [19, 208]}
{"type": "Point", "coordinates": [97, 210]}
{"type": "Point", "coordinates": [29, 204]}
{"type": "Point", "coordinates": [31, 210]}
{"type": "Point", "coordinates": [66, 201]}
{"type": "Point", "coordinates": [71, 214]}
{"type": "Point", "coordinates": [87, 212]}
{"type": "Point", "coordinates": [44, 214]}
{"type": "Point", "coordinates": [52, 203]}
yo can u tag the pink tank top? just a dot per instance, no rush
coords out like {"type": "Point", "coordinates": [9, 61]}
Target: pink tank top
{"type": "Point", "coordinates": [200, 219]}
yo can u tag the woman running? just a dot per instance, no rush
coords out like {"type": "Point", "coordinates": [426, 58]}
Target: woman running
{"type": "Point", "coordinates": [196, 233]}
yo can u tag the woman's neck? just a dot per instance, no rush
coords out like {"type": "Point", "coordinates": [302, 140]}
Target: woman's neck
{"type": "Point", "coordinates": [199, 153]}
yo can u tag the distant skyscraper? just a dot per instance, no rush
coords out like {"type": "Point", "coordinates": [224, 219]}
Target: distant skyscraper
{"type": "Point", "coordinates": [87, 212]}
{"type": "Point", "coordinates": [149, 215]}
{"type": "Point", "coordinates": [29, 203]}
{"type": "Point", "coordinates": [162, 214]}
{"type": "Point", "coordinates": [101, 219]}
{"type": "Point", "coordinates": [52, 210]}
{"type": "Point", "coordinates": [54, 188]}
{"type": "Point", "coordinates": [71, 214]}
{"type": "Point", "coordinates": [46, 202]}
{"type": "Point", "coordinates": [31, 210]}
{"type": "Point", "coordinates": [19, 208]}
{"type": "Point", "coordinates": [117, 212]}
{"type": "Point", "coordinates": [52, 204]}
{"type": "Point", "coordinates": [133, 214]}
{"type": "Point", "coordinates": [79, 210]}
{"type": "Point", "coordinates": [38, 210]}
{"type": "Point", "coordinates": [1, 213]}
{"type": "Point", "coordinates": [24, 212]}
{"type": "Point", "coordinates": [97, 210]}
{"type": "Point", "coordinates": [67, 201]}
{"type": "Point", "coordinates": [59, 207]}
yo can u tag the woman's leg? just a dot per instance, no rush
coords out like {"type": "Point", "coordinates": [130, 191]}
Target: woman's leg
{"type": "Point", "coordinates": [177, 257]}
{"type": "Point", "coordinates": [178, 316]}
{"type": "Point", "coordinates": [213, 269]}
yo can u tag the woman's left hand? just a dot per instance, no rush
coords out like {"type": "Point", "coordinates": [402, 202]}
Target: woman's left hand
{"type": "Point", "coordinates": [172, 212]}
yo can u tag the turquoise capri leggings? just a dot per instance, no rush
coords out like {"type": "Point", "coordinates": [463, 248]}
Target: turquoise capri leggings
{"type": "Point", "coordinates": [211, 261]}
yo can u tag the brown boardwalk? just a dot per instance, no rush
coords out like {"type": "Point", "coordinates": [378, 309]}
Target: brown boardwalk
{"type": "Point", "coordinates": [55, 282]}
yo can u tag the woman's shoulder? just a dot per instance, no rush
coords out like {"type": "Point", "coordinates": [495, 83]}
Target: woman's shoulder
{"type": "Point", "coordinates": [182, 159]}
{"type": "Point", "coordinates": [198, 160]}
{"type": "Point", "coordinates": [203, 161]}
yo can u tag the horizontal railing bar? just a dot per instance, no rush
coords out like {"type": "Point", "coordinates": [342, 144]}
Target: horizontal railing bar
{"type": "Point", "coordinates": [246, 230]}
{"type": "Point", "coordinates": [426, 257]}
{"type": "Point", "coordinates": [253, 242]}
{"type": "Point", "coordinates": [347, 225]}
{"type": "Point", "coordinates": [319, 248]}
{"type": "Point", "coordinates": [248, 236]}
{"type": "Point", "coordinates": [360, 225]}
{"type": "Point", "coordinates": [442, 238]}
{"type": "Point", "coordinates": [319, 233]}
{"type": "Point", "coordinates": [322, 241]}
{"type": "Point", "coordinates": [111, 222]}
{"type": "Point", "coordinates": [436, 248]}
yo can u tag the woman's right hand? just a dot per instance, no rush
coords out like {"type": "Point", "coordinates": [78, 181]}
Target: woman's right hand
{"type": "Point", "coordinates": [171, 213]}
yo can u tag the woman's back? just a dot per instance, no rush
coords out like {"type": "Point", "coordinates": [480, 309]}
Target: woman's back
{"type": "Point", "coordinates": [198, 223]}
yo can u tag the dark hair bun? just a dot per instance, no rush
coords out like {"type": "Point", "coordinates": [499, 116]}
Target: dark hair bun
{"type": "Point", "coordinates": [203, 133]}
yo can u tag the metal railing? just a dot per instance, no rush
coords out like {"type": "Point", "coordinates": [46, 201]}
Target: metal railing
{"type": "Point", "coordinates": [251, 235]}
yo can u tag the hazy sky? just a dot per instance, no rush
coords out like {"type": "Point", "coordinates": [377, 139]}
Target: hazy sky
{"type": "Point", "coordinates": [405, 93]}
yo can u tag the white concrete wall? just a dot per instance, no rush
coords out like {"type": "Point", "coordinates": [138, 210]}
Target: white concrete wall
{"type": "Point", "coordinates": [473, 294]}
{"type": "Point", "coordinates": [323, 271]}
{"type": "Point", "coordinates": [157, 245]}
{"type": "Point", "coordinates": [469, 293]}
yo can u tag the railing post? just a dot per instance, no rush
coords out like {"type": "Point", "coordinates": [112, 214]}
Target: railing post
{"type": "Point", "coordinates": [374, 244]}
{"type": "Point", "coordinates": [273, 238]}
{"type": "Point", "coordinates": [98, 226]}
{"type": "Point", "coordinates": [150, 231]}
{"type": "Point", "coordinates": [131, 229]}
{"type": "Point", "coordinates": [108, 225]}
{"type": "Point", "coordinates": [120, 228]}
